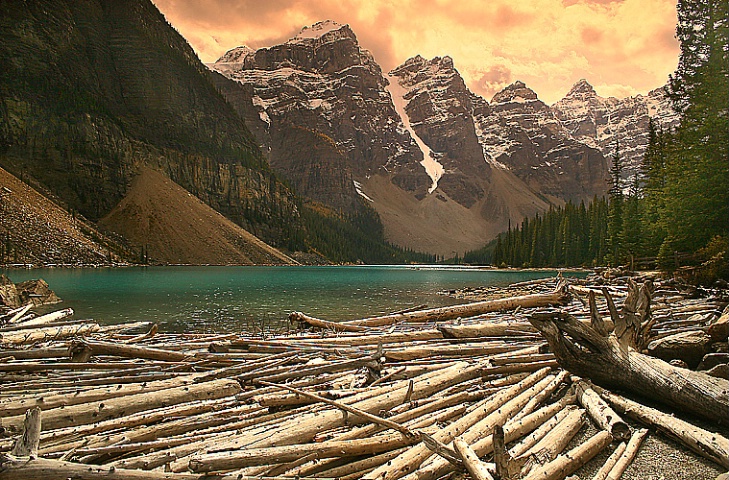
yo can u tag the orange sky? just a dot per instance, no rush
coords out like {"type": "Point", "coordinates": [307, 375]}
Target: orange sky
{"type": "Point", "coordinates": [622, 47]}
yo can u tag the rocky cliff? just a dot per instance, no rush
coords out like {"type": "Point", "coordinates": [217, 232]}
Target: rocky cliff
{"type": "Point", "coordinates": [93, 90]}
{"type": "Point", "coordinates": [604, 123]}
{"type": "Point", "coordinates": [322, 80]}
{"type": "Point", "coordinates": [521, 132]}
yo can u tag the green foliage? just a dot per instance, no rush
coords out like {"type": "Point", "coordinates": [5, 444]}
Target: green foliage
{"type": "Point", "coordinates": [556, 238]}
{"type": "Point", "coordinates": [355, 238]}
{"type": "Point", "coordinates": [693, 207]}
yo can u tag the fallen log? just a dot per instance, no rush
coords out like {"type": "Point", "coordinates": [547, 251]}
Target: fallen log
{"type": "Point", "coordinates": [600, 412]}
{"type": "Point", "coordinates": [711, 445]}
{"type": "Point", "coordinates": [470, 460]}
{"type": "Point", "coordinates": [116, 407]}
{"type": "Point", "coordinates": [33, 468]}
{"type": "Point", "coordinates": [614, 360]}
{"type": "Point", "coordinates": [559, 297]}
{"type": "Point", "coordinates": [35, 335]}
{"type": "Point", "coordinates": [628, 455]}
{"type": "Point", "coordinates": [569, 462]}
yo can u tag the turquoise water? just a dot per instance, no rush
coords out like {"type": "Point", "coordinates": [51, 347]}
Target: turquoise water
{"type": "Point", "coordinates": [225, 299]}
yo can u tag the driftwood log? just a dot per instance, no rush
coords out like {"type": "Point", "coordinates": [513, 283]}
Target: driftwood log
{"type": "Point", "coordinates": [613, 359]}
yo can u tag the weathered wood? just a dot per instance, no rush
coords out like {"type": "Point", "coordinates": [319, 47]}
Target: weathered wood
{"type": "Point", "coordinates": [513, 429]}
{"type": "Point", "coordinates": [558, 297]}
{"type": "Point", "coordinates": [604, 471]}
{"type": "Point", "coordinates": [298, 318]}
{"type": "Point", "coordinates": [115, 407]}
{"type": "Point", "coordinates": [135, 351]}
{"type": "Point", "coordinates": [601, 413]}
{"type": "Point", "coordinates": [628, 455]}
{"type": "Point", "coordinates": [223, 461]}
{"type": "Point", "coordinates": [35, 335]}
{"type": "Point", "coordinates": [473, 464]}
{"type": "Point", "coordinates": [27, 443]}
{"type": "Point", "coordinates": [47, 318]}
{"type": "Point", "coordinates": [33, 468]}
{"type": "Point", "coordinates": [711, 445]}
{"type": "Point", "coordinates": [413, 458]}
{"type": "Point", "coordinates": [571, 461]}
{"type": "Point", "coordinates": [613, 361]}
{"type": "Point", "coordinates": [552, 443]}
{"type": "Point", "coordinates": [15, 406]}
{"type": "Point", "coordinates": [347, 408]}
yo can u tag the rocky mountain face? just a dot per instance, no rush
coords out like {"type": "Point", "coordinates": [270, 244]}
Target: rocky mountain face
{"type": "Point", "coordinates": [444, 168]}
{"type": "Point", "coordinates": [607, 123]}
{"type": "Point", "coordinates": [323, 81]}
{"type": "Point", "coordinates": [522, 133]}
{"type": "Point", "coordinates": [93, 90]}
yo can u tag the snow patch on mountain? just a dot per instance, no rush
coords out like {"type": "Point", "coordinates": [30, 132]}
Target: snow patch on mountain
{"type": "Point", "coordinates": [317, 30]}
{"type": "Point", "coordinates": [434, 169]}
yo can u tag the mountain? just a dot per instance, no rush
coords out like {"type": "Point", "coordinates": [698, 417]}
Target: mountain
{"type": "Point", "coordinates": [603, 123]}
{"type": "Point", "coordinates": [35, 230]}
{"type": "Point", "coordinates": [522, 133]}
{"type": "Point", "coordinates": [176, 227]}
{"type": "Point", "coordinates": [323, 81]}
{"type": "Point", "coordinates": [444, 169]}
{"type": "Point", "coordinates": [93, 93]}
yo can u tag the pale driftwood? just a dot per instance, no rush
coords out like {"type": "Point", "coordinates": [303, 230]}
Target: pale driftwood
{"type": "Point", "coordinates": [425, 351]}
{"type": "Point", "coordinates": [35, 335]}
{"type": "Point", "coordinates": [604, 471]}
{"type": "Point", "coordinates": [628, 455]}
{"type": "Point", "coordinates": [27, 444]}
{"type": "Point", "coordinates": [414, 457]}
{"type": "Point", "coordinates": [347, 408]}
{"type": "Point", "coordinates": [15, 406]}
{"type": "Point", "coordinates": [537, 433]}
{"type": "Point", "coordinates": [613, 361]}
{"type": "Point", "coordinates": [47, 318]}
{"type": "Point", "coordinates": [513, 429]}
{"type": "Point", "coordinates": [711, 445]}
{"type": "Point", "coordinates": [33, 468]}
{"type": "Point", "coordinates": [135, 351]}
{"type": "Point", "coordinates": [492, 411]}
{"type": "Point", "coordinates": [600, 412]}
{"type": "Point", "coordinates": [223, 461]}
{"type": "Point", "coordinates": [558, 297]}
{"type": "Point", "coordinates": [298, 318]}
{"type": "Point", "coordinates": [473, 464]}
{"type": "Point", "coordinates": [552, 444]}
{"type": "Point", "coordinates": [571, 461]}
{"type": "Point", "coordinates": [115, 407]}
{"type": "Point", "coordinates": [486, 329]}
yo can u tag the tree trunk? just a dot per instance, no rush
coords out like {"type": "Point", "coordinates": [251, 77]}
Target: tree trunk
{"type": "Point", "coordinates": [612, 359]}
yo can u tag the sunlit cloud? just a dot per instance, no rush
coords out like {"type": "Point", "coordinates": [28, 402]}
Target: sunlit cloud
{"type": "Point", "coordinates": [620, 46]}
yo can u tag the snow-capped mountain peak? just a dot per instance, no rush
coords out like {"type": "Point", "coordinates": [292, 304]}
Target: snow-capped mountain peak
{"type": "Point", "coordinates": [582, 89]}
{"type": "Point", "coordinates": [517, 92]}
{"type": "Point", "coordinates": [318, 30]}
{"type": "Point", "coordinates": [236, 55]}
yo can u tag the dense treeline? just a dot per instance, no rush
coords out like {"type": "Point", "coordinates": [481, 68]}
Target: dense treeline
{"type": "Point", "coordinates": [572, 235]}
{"type": "Point", "coordinates": [354, 238]}
{"type": "Point", "coordinates": [676, 207]}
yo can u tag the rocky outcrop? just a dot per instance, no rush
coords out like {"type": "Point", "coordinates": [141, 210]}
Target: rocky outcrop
{"type": "Point", "coordinates": [324, 81]}
{"type": "Point", "coordinates": [605, 123]}
{"type": "Point", "coordinates": [31, 292]}
{"type": "Point", "coordinates": [521, 132]}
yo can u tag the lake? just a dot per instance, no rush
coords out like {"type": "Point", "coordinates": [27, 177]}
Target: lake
{"type": "Point", "coordinates": [226, 299]}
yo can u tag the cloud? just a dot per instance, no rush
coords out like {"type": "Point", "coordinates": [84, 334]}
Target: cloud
{"type": "Point", "coordinates": [549, 44]}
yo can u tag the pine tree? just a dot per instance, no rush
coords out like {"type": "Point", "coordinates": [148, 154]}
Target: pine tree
{"type": "Point", "coordinates": [696, 194]}
{"type": "Point", "coordinates": [615, 218]}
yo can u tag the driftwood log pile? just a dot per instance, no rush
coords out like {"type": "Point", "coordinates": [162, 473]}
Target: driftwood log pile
{"type": "Point", "coordinates": [472, 390]}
